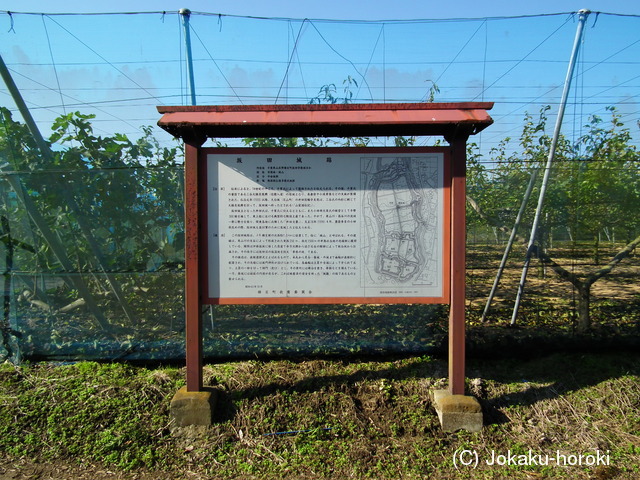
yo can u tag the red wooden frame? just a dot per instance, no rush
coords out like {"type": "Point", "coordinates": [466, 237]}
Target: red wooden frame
{"type": "Point", "coordinates": [445, 228]}
{"type": "Point", "coordinates": [454, 121]}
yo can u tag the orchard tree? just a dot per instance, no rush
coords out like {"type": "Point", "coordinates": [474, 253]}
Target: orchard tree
{"type": "Point", "coordinates": [130, 190]}
{"type": "Point", "coordinates": [91, 204]}
{"type": "Point", "coordinates": [588, 194]}
{"type": "Point", "coordinates": [607, 183]}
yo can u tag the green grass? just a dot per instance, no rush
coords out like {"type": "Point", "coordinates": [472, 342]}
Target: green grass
{"type": "Point", "coordinates": [350, 418]}
{"type": "Point", "coordinates": [111, 413]}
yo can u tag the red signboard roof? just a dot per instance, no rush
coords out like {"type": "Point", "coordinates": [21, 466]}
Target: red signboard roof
{"type": "Point", "coordinates": [334, 120]}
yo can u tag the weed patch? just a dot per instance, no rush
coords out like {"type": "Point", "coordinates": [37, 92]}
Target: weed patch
{"type": "Point", "coordinates": [111, 413]}
{"type": "Point", "coordinates": [318, 419]}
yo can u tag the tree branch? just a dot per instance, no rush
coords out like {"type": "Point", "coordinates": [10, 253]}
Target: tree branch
{"type": "Point", "coordinates": [621, 255]}
{"type": "Point", "coordinates": [559, 269]}
{"type": "Point", "coordinates": [562, 272]}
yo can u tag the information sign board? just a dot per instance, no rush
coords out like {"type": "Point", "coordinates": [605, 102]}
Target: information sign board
{"type": "Point", "coordinates": [326, 225]}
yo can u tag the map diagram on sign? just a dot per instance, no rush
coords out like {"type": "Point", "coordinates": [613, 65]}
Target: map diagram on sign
{"type": "Point", "coordinates": [401, 218]}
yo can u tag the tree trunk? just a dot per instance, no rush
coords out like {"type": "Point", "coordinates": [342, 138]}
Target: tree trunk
{"type": "Point", "coordinates": [583, 286]}
{"type": "Point", "coordinates": [5, 326]}
{"type": "Point", "coordinates": [584, 303]}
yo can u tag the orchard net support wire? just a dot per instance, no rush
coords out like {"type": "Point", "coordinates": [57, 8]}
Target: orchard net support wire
{"type": "Point", "coordinates": [515, 62]}
{"type": "Point", "coordinates": [245, 59]}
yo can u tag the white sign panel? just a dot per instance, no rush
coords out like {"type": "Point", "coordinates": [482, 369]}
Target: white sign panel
{"type": "Point", "coordinates": [325, 226]}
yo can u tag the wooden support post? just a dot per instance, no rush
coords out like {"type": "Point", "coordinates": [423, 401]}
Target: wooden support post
{"type": "Point", "coordinates": [193, 306]}
{"type": "Point", "coordinates": [458, 252]}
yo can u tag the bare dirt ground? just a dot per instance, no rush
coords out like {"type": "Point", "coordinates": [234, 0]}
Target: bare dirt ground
{"type": "Point", "coordinates": [379, 403]}
{"type": "Point", "coordinates": [621, 285]}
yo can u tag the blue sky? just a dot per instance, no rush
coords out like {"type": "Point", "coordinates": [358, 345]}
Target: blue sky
{"type": "Point", "coordinates": [120, 67]}
{"type": "Point", "coordinates": [335, 9]}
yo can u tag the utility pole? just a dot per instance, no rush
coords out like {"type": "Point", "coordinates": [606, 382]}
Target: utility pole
{"type": "Point", "coordinates": [186, 13]}
{"type": "Point", "coordinates": [582, 19]}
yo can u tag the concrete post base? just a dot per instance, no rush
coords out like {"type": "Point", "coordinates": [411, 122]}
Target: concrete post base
{"type": "Point", "coordinates": [193, 408]}
{"type": "Point", "coordinates": [457, 412]}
